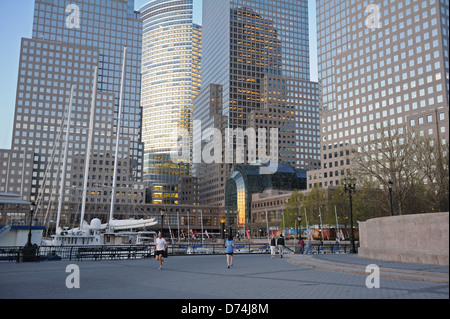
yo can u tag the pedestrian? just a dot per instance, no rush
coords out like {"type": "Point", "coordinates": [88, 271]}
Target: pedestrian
{"type": "Point", "coordinates": [161, 247]}
{"type": "Point", "coordinates": [308, 246]}
{"type": "Point", "coordinates": [302, 245]}
{"type": "Point", "coordinates": [280, 245]}
{"type": "Point", "coordinates": [272, 247]}
{"type": "Point", "coordinates": [229, 245]}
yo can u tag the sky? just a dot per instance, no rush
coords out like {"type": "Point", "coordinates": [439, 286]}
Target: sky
{"type": "Point", "coordinates": [16, 22]}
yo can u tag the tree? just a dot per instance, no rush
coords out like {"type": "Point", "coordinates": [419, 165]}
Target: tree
{"type": "Point", "coordinates": [434, 163]}
{"type": "Point", "coordinates": [315, 203]}
{"type": "Point", "coordinates": [293, 208]}
{"type": "Point", "coordinates": [369, 201]}
{"type": "Point", "coordinates": [390, 155]}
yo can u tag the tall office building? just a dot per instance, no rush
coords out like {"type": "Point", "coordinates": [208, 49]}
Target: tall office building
{"type": "Point", "coordinates": [71, 40]}
{"type": "Point", "coordinates": [379, 64]}
{"type": "Point", "coordinates": [171, 79]}
{"type": "Point", "coordinates": [255, 74]}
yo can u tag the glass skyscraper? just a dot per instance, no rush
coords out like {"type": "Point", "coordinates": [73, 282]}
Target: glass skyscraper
{"type": "Point", "coordinates": [70, 40]}
{"type": "Point", "coordinates": [244, 40]}
{"type": "Point", "coordinates": [171, 79]}
{"type": "Point", "coordinates": [379, 65]}
{"type": "Point", "coordinates": [256, 64]}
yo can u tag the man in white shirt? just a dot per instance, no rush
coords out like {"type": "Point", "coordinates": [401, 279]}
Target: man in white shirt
{"type": "Point", "coordinates": [161, 246]}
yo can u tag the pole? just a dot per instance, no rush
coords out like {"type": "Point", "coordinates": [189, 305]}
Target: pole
{"type": "Point", "coordinates": [295, 223]}
{"type": "Point", "coordinates": [321, 225]}
{"type": "Point", "coordinates": [88, 149]}
{"type": "Point", "coordinates": [119, 120]}
{"type": "Point", "coordinates": [306, 219]}
{"type": "Point", "coordinates": [66, 147]}
{"type": "Point", "coordinates": [201, 217]}
{"type": "Point", "coordinates": [178, 220]}
{"type": "Point", "coordinates": [390, 198]}
{"type": "Point", "coordinates": [337, 224]}
{"type": "Point", "coordinates": [189, 231]}
{"type": "Point", "coordinates": [29, 244]}
{"type": "Point", "coordinates": [267, 223]}
{"type": "Point", "coordinates": [352, 239]}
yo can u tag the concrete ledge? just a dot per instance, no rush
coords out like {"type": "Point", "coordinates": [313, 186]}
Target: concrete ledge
{"type": "Point", "coordinates": [402, 274]}
{"type": "Point", "coordinates": [405, 257]}
{"type": "Point", "coordinates": [421, 238]}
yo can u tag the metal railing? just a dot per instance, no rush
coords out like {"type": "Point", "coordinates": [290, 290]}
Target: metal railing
{"type": "Point", "coordinates": [121, 252]}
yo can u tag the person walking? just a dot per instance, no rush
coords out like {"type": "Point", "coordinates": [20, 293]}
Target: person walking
{"type": "Point", "coordinates": [229, 245]}
{"type": "Point", "coordinates": [161, 246]}
{"type": "Point", "coordinates": [273, 246]}
{"type": "Point", "coordinates": [308, 246]}
{"type": "Point", "coordinates": [302, 245]}
{"type": "Point", "coordinates": [280, 245]}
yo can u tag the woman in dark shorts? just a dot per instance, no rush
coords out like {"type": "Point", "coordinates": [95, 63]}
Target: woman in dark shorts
{"type": "Point", "coordinates": [229, 245]}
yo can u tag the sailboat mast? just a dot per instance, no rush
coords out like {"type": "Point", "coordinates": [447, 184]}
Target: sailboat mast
{"type": "Point", "coordinates": [66, 147]}
{"type": "Point", "coordinates": [88, 150]}
{"type": "Point", "coordinates": [119, 120]}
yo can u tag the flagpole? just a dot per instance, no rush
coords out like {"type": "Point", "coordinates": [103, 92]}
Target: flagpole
{"type": "Point", "coordinates": [178, 221]}
{"type": "Point", "coordinates": [201, 217]}
{"type": "Point", "coordinates": [306, 218]}
{"type": "Point", "coordinates": [337, 224]}
{"type": "Point", "coordinates": [189, 231]}
{"type": "Point", "coordinates": [321, 225]}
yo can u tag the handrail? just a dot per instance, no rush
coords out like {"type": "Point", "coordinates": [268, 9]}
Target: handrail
{"type": "Point", "coordinates": [114, 252]}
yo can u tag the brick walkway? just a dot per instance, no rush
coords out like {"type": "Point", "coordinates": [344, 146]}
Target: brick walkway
{"type": "Point", "coordinates": [207, 277]}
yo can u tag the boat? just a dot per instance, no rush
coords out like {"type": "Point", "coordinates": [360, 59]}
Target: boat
{"type": "Point", "coordinates": [96, 233]}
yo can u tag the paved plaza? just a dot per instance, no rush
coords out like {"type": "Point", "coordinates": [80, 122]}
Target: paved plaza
{"type": "Point", "coordinates": [207, 277]}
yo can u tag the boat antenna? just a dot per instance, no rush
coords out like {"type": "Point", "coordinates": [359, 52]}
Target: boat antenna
{"type": "Point", "coordinates": [66, 146]}
{"type": "Point", "coordinates": [88, 150]}
{"type": "Point", "coordinates": [119, 120]}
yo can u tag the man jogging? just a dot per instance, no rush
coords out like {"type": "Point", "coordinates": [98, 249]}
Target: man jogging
{"type": "Point", "coordinates": [161, 246]}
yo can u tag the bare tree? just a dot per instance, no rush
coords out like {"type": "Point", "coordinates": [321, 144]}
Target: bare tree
{"type": "Point", "coordinates": [434, 163]}
{"type": "Point", "coordinates": [391, 155]}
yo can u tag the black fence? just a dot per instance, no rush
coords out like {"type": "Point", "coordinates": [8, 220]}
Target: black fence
{"type": "Point", "coordinates": [318, 248]}
{"type": "Point", "coordinates": [121, 252]}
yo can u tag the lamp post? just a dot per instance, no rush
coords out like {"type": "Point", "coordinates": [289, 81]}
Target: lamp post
{"type": "Point", "coordinates": [349, 187]}
{"type": "Point", "coordinates": [390, 196]}
{"type": "Point", "coordinates": [29, 251]}
{"type": "Point", "coordinates": [222, 222]}
{"type": "Point", "coordinates": [299, 219]}
{"type": "Point", "coordinates": [161, 211]}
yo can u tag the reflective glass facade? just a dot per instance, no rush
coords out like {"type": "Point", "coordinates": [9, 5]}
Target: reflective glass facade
{"type": "Point", "coordinates": [387, 64]}
{"type": "Point", "coordinates": [69, 41]}
{"type": "Point", "coordinates": [246, 180]}
{"type": "Point", "coordinates": [171, 79]}
{"type": "Point", "coordinates": [244, 40]}
{"type": "Point", "coordinates": [257, 52]}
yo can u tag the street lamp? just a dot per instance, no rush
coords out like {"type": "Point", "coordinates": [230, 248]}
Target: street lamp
{"type": "Point", "coordinates": [161, 211]}
{"type": "Point", "coordinates": [390, 196]}
{"type": "Point", "coordinates": [32, 208]}
{"type": "Point", "coordinates": [222, 222]}
{"type": "Point", "coordinates": [349, 187]}
{"type": "Point", "coordinates": [299, 219]}
{"type": "Point", "coordinates": [29, 251]}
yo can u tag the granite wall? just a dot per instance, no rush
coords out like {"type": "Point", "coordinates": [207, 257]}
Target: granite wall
{"type": "Point", "coordinates": [421, 238]}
